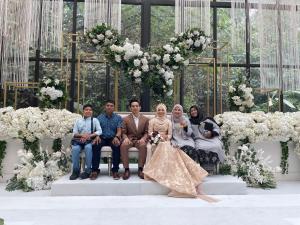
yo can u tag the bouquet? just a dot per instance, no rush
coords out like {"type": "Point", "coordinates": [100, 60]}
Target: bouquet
{"type": "Point", "coordinates": [155, 138]}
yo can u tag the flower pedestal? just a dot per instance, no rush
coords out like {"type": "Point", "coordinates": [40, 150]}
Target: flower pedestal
{"type": "Point", "coordinates": [273, 150]}
{"type": "Point", "coordinates": [11, 158]}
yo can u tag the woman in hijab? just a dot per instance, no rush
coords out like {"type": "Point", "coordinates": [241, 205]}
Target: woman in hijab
{"type": "Point", "coordinates": [170, 166]}
{"type": "Point", "coordinates": [182, 133]}
{"type": "Point", "coordinates": [206, 134]}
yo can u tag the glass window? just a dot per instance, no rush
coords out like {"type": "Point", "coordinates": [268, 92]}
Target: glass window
{"type": "Point", "coordinates": [131, 22]}
{"type": "Point", "coordinates": [224, 29]}
{"type": "Point", "coordinates": [162, 24]}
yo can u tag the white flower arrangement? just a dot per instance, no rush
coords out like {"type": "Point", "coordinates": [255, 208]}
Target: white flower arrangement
{"type": "Point", "coordinates": [32, 123]}
{"type": "Point", "coordinates": [155, 138]}
{"type": "Point", "coordinates": [52, 92]}
{"type": "Point", "coordinates": [259, 126]}
{"type": "Point", "coordinates": [140, 66]}
{"type": "Point", "coordinates": [240, 96]}
{"type": "Point", "coordinates": [252, 167]}
{"type": "Point", "coordinates": [30, 175]}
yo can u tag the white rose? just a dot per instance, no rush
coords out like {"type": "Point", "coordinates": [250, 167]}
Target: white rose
{"type": "Point", "coordinates": [202, 39]}
{"type": "Point", "coordinates": [197, 43]}
{"type": "Point", "coordinates": [118, 58]}
{"type": "Point", "coordinates": [48, 81]}
{"type": "Point", "coordinates": [106, 41]}
{"type": "Point", "coordinates": [95, 41]}
{"type": "Point", "coordinates": [178, 58]}
{"type": "Point", "coordinates": [170, 92]}
{"type": "Point", "coordinates": [138, 80]}
{"type": "Point", "coordinates": [169, 82]}
{"type": "Point", "coordinates": [145, 68]}
{"type": "Point", "coordinates": [137, 73]}
{"type": "Point", "coordinates": [190, 42]}
{"type": "Point", "coordinates": [100, 37]}
{"type": "Point", "coordinates": [136, 62]}
{"type": "Point", "coordinates": [166, 58]}
{"type": "Point", "coordinates": [231, 89]}
{"type": "Point", "coordinates": [144, 61]}
{"type": "Point", "coordinates": [108, 33]}
{"type": "Point", "coordinates": [186, 62]}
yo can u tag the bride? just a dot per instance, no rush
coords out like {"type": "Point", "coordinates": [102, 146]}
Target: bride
{"type": "Point", "coordinates": [170, 166]}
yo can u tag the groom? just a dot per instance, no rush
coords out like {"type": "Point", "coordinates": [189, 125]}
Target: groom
{"type": "Point", "coordinates": [135, 134]}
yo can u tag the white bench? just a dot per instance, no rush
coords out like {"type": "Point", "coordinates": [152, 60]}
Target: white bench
{"type": "Point", "coordinates": [106, 151]}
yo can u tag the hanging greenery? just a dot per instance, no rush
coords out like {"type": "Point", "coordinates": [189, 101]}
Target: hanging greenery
{"type": "Point", "coordinates": [34, 148]}
{"type": "Point", "coordinates": [57, 145]}
{"type": "Point", "coordinates": [2, 154]}
{"type": "Point", "coordinates": [284, 157]}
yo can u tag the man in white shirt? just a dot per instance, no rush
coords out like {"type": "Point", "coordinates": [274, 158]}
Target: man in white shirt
{"type": "Point", "coordinates": [84, 131]}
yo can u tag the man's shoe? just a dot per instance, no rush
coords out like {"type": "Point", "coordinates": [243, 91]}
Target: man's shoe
{"type": "Point", "coordinates": [74, 175]}
{"type": "Point", "coordinates": [141, 174]}
{"type": "Point", "coordinates": [94, 175]}
{"type": "Point", "coordinates": [126, 175]}
{"type": "Point", "coordinates": [84, 175]}
{"type": "Point", "coordinates": [115, 175]}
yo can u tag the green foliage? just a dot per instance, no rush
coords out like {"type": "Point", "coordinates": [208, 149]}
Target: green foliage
{"type": "Point", "coordinates": [284, 157]}
{"type": "Point", "coordinates": [45, 99]}
{"type": "Point", "coordinates": [34, 147]}
{"type": "Point", "coordinates": [1, 221]}
{"type": "Point", "coordinates": [17, 184]}
{"type": "Point", "coordinates": [2, 154]}
{"type": "Point", "coordinates": [225, 169]}
{"type": "Point", "coordinates": [57, 145]}
{"type": "Point", "coordinates": [240, 96]}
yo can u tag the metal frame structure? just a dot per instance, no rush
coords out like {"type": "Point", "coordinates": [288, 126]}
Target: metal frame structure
{"type": "Point", "coordinates": [145, 40]}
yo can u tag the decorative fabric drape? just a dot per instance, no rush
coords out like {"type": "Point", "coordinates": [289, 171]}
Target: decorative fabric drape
{"type": "Point", "coordinates": [19, 29]}
{"type": "Point", "coordinates": [52, 21]}
{"type": "Point", "coordinates": [278, 24]}
{"type": "Point", "coordinates": [102, 11]}
{"type": "Point", "coordinates": [238, 23]}
{"type": "Point", "coordinates": [191, 14]}
{"type": "Point", "coordinates": [14, 39]}
{"type": "Point", "coordinates": [279, 44]}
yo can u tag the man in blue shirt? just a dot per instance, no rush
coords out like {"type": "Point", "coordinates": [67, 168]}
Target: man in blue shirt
{"type": "Point", "coordinates": [111, 125]}
{"type": "Point", "coordinates": [84, 133]}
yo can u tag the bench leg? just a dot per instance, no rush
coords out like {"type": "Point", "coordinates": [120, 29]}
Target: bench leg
{"type": "Point", "coordinates": [109, 165]}
{"type": "Point", "coordinates": [82, 163]}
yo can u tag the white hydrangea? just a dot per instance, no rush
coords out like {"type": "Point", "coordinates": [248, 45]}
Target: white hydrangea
{"type": "Point", "coordinates": [51, 92]}
{"type": "Point", "coordinates": [166, 58]}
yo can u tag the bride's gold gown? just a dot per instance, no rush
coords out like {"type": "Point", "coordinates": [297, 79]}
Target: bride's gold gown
{"type": "Point", "coordinates": [171, 167]}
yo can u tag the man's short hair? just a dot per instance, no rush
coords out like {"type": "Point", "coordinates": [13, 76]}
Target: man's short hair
{"type": "Point", "coordinates": [134, 100]}
{"type": "Point", "coordinates": [87, 105]}
{"type": "Point", "coordinates": [110, 101]}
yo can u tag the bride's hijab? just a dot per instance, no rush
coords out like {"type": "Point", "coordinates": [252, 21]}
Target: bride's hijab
{"type": "Point", "coordinates": [177, 118]}
{"type": "Point", "coordinates": [161, 106]}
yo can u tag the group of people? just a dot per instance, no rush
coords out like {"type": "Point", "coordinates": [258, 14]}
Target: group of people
{"type": "Point", "coordinates": [173, 160]}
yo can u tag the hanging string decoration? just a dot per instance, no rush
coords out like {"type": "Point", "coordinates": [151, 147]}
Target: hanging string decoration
{"type": "Point", "coordinates": [14, 39]}
{"type": "Point", "coordinates": [102, 11]}
{"type": "Point", "coordinates": [49, 15]}
{"type": "Point", "coordinates": [279, 44]}
{"type": "Point", "coordinates": [192, 13]}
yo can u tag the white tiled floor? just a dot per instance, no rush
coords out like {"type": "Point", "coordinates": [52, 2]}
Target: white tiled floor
{"type": "Point", "coordinates": [280, 206]}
